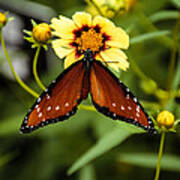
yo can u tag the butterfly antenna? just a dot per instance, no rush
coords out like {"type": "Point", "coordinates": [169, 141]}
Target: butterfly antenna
{"type": "Point", "coordinates": [112, 62]}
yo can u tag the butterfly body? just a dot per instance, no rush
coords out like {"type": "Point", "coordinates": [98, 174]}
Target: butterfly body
{"type": "Point", "coordinates": [110, 97]}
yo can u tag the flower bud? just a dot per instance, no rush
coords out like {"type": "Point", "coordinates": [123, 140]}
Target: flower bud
{"type": "Point", "coordinates": [42, 33]}
{"type": "Point", "coordinates": [3, 19]}
{"type": "Point", "coordinates": [166, 119]}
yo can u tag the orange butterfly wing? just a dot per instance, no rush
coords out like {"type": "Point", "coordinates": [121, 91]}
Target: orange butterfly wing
{"type": "Point", "coordinates": [113, 98]}
{"type": "Point", "coordinates": [60, 100]}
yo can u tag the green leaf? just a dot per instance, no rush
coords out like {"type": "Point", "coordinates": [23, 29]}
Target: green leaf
{"type": "Point", "coordinates": [164, 15]}
{"type": "Point", "coordinates": [106, 143]}
{"type": "Point", "coordinates": [87, 173]}
{"type": "Point", "coordinates": [148, 36]}
{"type": "Point", "coordinates": [149, 160]}
{"type": "Point", "coordinates": [176, 3]}
{"type": "Point", "coordinates": [27, 32]}
{"type": "Point", "coordinates": [11, 125]}
{"type": "Point", "coordinates": [33, 23]}
{"type": "Point", "coordinates": [6, 158]}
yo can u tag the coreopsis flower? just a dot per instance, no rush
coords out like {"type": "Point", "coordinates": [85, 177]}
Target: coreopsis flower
{"type": "Point", "coordinates": [83, 32]}
{"type": "Point", "coordinates": [165, 119]}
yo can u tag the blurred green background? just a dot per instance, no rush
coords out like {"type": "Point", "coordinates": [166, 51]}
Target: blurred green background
{"type": "Point", "coordinates": [102, 149]}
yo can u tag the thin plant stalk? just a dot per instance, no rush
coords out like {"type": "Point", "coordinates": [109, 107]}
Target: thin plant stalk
{"type": "Point", "coordinates": [18, 79]}
{"type": "Point", "coordinates": [97, 8]}
{"type": "Point", "coordinates": [137, 70]}
{"type": "Point", "coordinates": [40, 84]}
{"type": "Point", "coordinates": [173, 56]}
{"type": "Point", "coordinates": [158, 167]}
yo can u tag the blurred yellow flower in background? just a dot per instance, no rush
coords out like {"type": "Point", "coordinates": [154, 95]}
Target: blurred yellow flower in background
{"type": "Point", "coordinates": [3, 18]}
{"type": "Point", "coordinates": [83, 32]}
{"type": "Point", "coordinates": [109, 8]}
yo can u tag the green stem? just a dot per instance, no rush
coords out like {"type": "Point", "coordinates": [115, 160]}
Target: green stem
{"type": "Point", "coordinates": [173, 56]}
{"type": "Point", "coordinates": [158, 167]}
{"type": "Point", "coordinates": [97, 8]}
{"type": "Point", "coordinates": [136, 69]}
{"type": "Point", "coordinates": [35, 69]}
{"type": "Point", "coordinates": [21, 83]}
{"type": "Point", "coordinates": [150, 105]}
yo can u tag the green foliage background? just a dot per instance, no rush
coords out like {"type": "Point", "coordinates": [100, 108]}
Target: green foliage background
{"type": "Point", "coordinates": [90, 146]}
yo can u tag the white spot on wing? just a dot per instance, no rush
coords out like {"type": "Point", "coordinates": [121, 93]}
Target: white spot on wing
{"type": "Point", "coordinates": [129, 107]}
{"type": "Point", "coordinates": [49, 108]}
{"type": "Point", "coordinates": [66, 104]}
{"type": "Point", "coordinates": [57, 108]}
{"type": "Point", "coordinates": [47, 96]}
{"type": "Point", "coordinates": [40, 114]}
{"type": "Point", "coordinates": [114, 114]}
{"type": "Point", "coordinates": [135, 99]}
{"type": "Point", "coordinates": [37, 105]}
{"type": "Point", "coordinates": [137, 114]}
{"type": "Point", "coordinates": [122, 108]}
{"type": "Point", "coordinates": [114, 104]}
{"type": "Point", "coordinates": [137, 108]}
{"type": "Point", "coordinates": [38, 109]}
{"type": "Point", "coordinates": [39, 100]}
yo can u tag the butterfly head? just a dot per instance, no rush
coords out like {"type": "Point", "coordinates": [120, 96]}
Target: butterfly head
{"type": "Point", "coordinates": [88, 55]}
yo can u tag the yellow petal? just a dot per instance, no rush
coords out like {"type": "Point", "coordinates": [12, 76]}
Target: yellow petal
{"type": "Point", "coordinates": [113, 65]}
{"type": "Point", "coordinates": [71, 58]}
{"type": "Point", "coordinates": [62, 47]}
{"type": "Point", "coordinates": [82, 18]}
{"type": "Point", "coordinates": [63, 27]}
{"type": "Point", "coordinates": [105, 24]}
{"type": "Point", "coordinates": [116, 55]}
{"type": "Point", "coordinates": [119, 38]}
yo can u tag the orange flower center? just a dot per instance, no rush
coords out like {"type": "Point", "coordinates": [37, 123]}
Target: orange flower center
{"type": "Point", "coordinates": [90, 40]}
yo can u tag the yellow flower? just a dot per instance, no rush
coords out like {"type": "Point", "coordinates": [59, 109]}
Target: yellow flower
{"type": "Point", "coordinates": [129, 4]}
{"type": "Point", "coordinates": [109, 8]}
{"type": "Point", "coordinates": [83, 32]}
{"type": "Point", "coordinates": [41, 32]}
{"type": "Point", "coordinates": [166, 119]}
{"type": "Point", "coordinates": [3, 18]}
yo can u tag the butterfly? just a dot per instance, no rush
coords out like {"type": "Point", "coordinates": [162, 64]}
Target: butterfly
{"type": "Point", "coordinates": [88, 75]}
